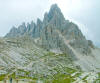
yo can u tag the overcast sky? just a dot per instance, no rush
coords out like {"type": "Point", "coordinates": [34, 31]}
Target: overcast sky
{"type": "Point", "coordinates": [85, 13]}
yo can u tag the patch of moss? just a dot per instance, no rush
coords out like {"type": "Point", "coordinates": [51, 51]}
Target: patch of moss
{"type": "Point", "coordinates": [77, 74]}
{"type": "Point", "coordinates": [97, 81]}
{"type": "Point", "coordinates": [85, 77]}
{"type": "Point", "coordinates": [50, 53]}
{"type": "Point", "coordinates": [2, 77]}
{"type": "Point", "coordinates": [70, 70]}
{"type": "Point", "coordinates": [60, 78]}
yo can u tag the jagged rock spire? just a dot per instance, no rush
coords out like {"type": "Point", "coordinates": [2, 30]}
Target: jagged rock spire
{"type": "Point", "coordinates": [55, 10]}
{"type": "Point", "coordinates": [46, 31]}
{"type": "Point", "coordinates": [54, 16]}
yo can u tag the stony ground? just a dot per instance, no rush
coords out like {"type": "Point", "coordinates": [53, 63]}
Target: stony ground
{"type": "Point", "coordinates": [76, 77]}
{"type": "Point", "coordinates": [23, 59]}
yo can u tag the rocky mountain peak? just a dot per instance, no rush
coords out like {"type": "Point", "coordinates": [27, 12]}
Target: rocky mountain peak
{"type": "Point", "coordinates": [13, 29]}
{"type": "Point", "coordinates": [54, 47]}
{"type": "Point", "coordinates": [54, 9]}
{"type": "Point", "coordinates": [23, 24]}
{"type": "Point", "coordinates": [54, 15]}
{"type": "Point", "coordinates": [32, 24]}
{"type": "Point", "coordinates": [39, 21]}
{"type": "Point", "coordinates": [47, 31]}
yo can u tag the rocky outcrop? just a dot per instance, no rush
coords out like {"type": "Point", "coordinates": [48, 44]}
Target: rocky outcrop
{"type": "Point", "coordinates": [48, 48]}
{"type": "Point", "coordinates": [46, 31]}
{"type": "Point", "coordinates": [54, 20]}
{"type": "Point", "coordinates": [30, 29]}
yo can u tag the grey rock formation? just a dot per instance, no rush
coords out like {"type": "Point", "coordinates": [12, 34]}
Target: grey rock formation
{"type": "Point", "coordinates": [54, 20]}
{"type": "Point", "coordinates": [48, 48]}
{"type": "Point", "coordinates": [30, 29]}
{"type": "Point", "coordinates": [13, 32]}
{"type": "Point", "coordinates": [47, 32]}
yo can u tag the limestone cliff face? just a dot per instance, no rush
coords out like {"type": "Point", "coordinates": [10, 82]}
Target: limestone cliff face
{"type": "Point", "coordinates": [30, 29]}
{"type": "Point", "coordinates": [54, 21]}
{"type": "Point", "coordinates": [48, 32]}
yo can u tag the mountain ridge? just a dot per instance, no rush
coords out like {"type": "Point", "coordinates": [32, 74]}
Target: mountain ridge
{"type": "Point", "coordinates": [54, 46]}
{"type": "Point", "coordinates": [55, 19]}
